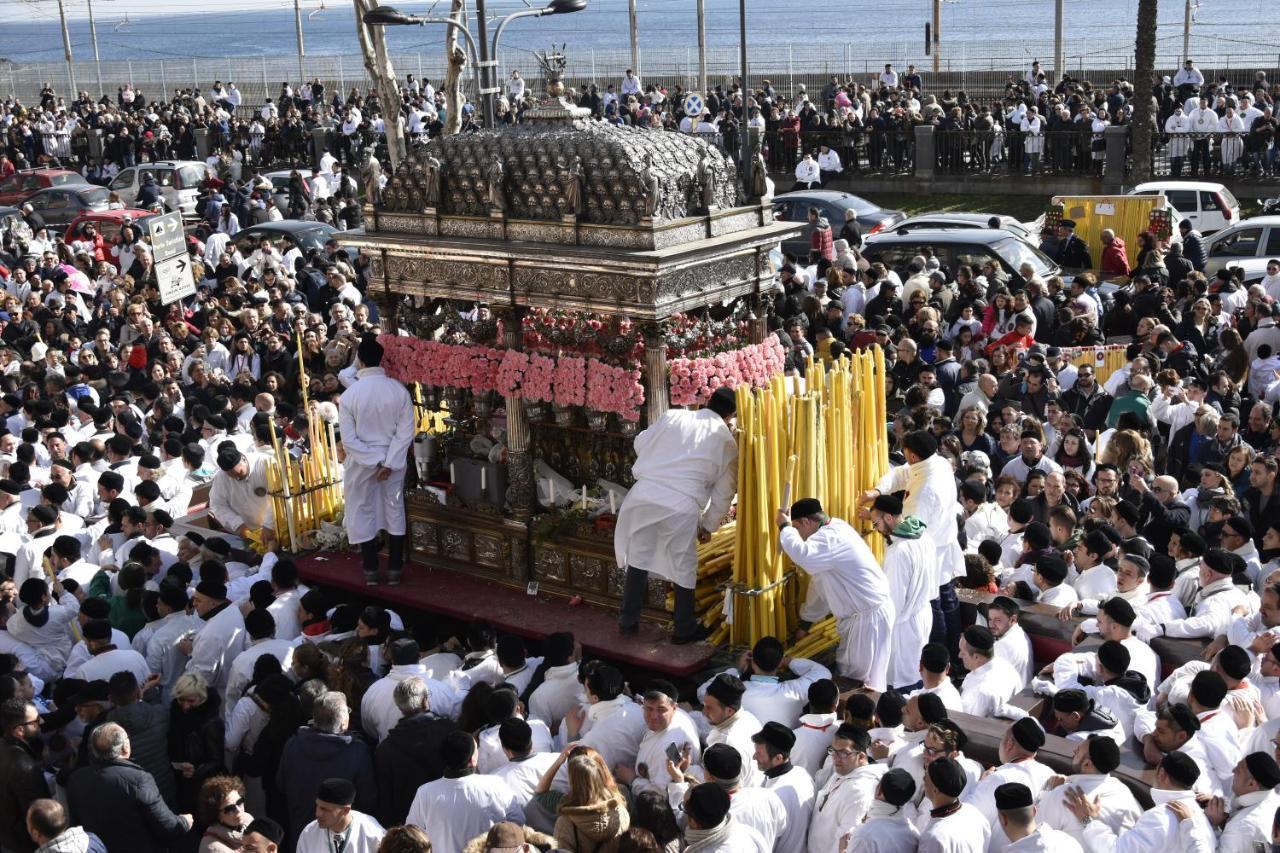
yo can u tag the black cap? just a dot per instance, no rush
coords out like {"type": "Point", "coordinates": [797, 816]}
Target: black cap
{"type": "Point", "coordinates": [727, 689]}
{"type": "Point", "coordinates": [891, 504]}
{"type": "Point", "coordinates": [228, 459]}
{"type": "Point", "coordinates": [1235, 662]}
{"type": "Point", "coordinates": [97, 629]}
{"type": "Point", "coordinates": [723, 401]}
{"type": "Point", "coordinates": [777, 736]}
{"type": "Point", "coordinates": [1119, 610]}
{"type": "Point", "coordinates": [1028, 734]}
{"type": "Point", "coordinates": [1052, 568]}
{"type": "Point", "coordinates": [947, 776]}
{"type": "Point", "coordinates": [897, 787]}
{"type": "Point", "coordinates": [1115, 657]}
{"type": "Point", "coordinates": [95, 607]}
{"type": "Point", "coordinates": [1181, 768]}
{"type": "Point", "coordinates": [1184, 717]}
{"type": "Point", "coordinates": [212, 589]}
{"type": "Point", "coordinates": [1104, 752]}
{"type": "Point", "coordinates": [806, 507]}
{"type": "Point", "coordinates": [708, 804]}
{"type": "Point", "coordinates": [1071, 701]}
{"type": "Point", "coordinates": [935, 657]}
{"type": "Point", "coordinates": [980, 638]}
{"type": "Point", "coordinates": [722, 762]}
{"type": "Point", "coordinates": [1263, 768]}
{"type": "Point", "coordinates": [338, 791]}
{"type": "Point", "coordinates": [1013, 795]}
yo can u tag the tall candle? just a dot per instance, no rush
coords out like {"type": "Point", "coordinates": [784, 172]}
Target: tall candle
{"type": "Point", "coordinates": [613, 510]}
{"type": "Point", "coordinates": [453, 474]}
{"type": "Point", "coordinates": [482, 480]}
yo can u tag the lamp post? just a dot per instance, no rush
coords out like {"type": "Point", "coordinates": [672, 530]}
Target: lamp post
{"type": "Point", "coordinates": [484, 58]}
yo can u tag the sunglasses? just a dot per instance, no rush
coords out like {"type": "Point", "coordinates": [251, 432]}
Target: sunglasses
{"type": "Point", "coordinates": [232, 808]}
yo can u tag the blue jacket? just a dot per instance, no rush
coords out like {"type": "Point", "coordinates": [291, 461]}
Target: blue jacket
{"type": "Point", "coordinates": [312, 756]}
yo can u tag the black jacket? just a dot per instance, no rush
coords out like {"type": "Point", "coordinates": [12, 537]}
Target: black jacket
{"type": "Point", "coordinates": [1163, 520]}
{"type": "Point", "coordinates": [1073, 254]}
{"type": "Point", "coordinates": [408, 757]}
{"type": "Point", "coordinates": [118, 801]}
{"type": "Point", "coordinates": [21, 783]}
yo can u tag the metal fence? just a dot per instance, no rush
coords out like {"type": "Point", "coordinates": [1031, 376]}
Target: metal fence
{"type": "Point", "coordinates": [790, 68]}
{"type": "Point", "coordinates": [1053, 152]}
{"type": "Point", "coordinates": [861, 150]}
{"type": "Point", "coordinates": [1234, 155]}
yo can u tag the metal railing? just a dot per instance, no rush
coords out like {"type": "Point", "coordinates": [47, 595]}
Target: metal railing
{"type": "Point", "coordinates": [861, 150]}
{"type": "Point", "coordinates": [1056, 152]}
{"type": "Point", "coordinates": [1237, 155]}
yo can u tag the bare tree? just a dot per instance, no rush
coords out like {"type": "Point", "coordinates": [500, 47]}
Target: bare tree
{"type": "Point", "coordinates": [453, 76]}
{"type": "Point", "coordinates": [1144, 118]}
{"type": "Point", "coordinates": [373, 46]}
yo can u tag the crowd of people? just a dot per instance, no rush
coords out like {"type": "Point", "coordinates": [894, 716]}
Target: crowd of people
{"type": "Point", "coordinates": [168, 690]}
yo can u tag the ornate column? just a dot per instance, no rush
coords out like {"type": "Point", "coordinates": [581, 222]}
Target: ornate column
{"type": "Point", "coordinates": [758, 326]}
{"type": "Point", "coordinates": [655, 370]}
{"type": "Point", "coordinates": [519, 458]}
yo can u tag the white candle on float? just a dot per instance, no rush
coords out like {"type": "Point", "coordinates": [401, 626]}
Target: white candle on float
{"type": "Point", "coordinates": [453, 473]}
{"type": "Point", "coordinates": [483, 472]}
{"type": "Point", "coordinates": [613, 510]}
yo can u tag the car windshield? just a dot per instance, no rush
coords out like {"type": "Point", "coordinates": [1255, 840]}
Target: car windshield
{"type": "Point", "coordinates": [59, 180]}
{"type": "Point", "coordinates": [861, 205]}
{"type": "Point", "coordinates": [1017, 252]}
{"type": "Point", "coordinates": [191, 175]}
{"type": "Point", "coordinates": [95, 195]}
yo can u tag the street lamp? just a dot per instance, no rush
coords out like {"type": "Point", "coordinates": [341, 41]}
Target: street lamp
{"type": "Point", "coordinates": [389, 16]}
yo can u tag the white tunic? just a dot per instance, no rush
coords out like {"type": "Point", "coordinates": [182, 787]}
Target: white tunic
{"type": "Point", "coordinates": [163, 655]}
{"type": "Point", "coordinates": [1250, 824]}
{"type": "Point", "coordinates": [987, 690]}
{"type": "Point", "coordinates": [216, 646]}
{"type": "Point", "coordinates": [652, 753]}
{"type": "Point", "coordinates": [795, 789]}
{"type": "Point", "coordinates": [813, 736]}
{"type": "Point", "coordinates": [103, 665]}
{"type": "Point", "coordinates": [965, 831]}
{"type": "Point", "coordinates": [1120, 810]}
{"type": "Point", "coordinates": [771, 700]}
{"type": "Point", "coordinates": [242, 667]}
{"type": "Point", "coordinates": [616, 729]}
{"type": "Point", "coordinates": [242, 502]}
{"type": "Point", "coordinates": [910, 565]}
{"type": "Point", "coordinates": [1157, 830]}
{"type": "Point", "coordinates": [1015, 647]}
{"type": "Point", "coordinates": [1097, 582]}
{"type": "Point", "coordinates": [558, 692]}
{"type": "Point", "coordinates": [982, 796]}
{"type": "Point", "coordinates": [378, 711]}
{"type": "Point", "coordinates": [52, 640]}
{"type": "Point", "coordinates": [842, 803]}
{"type": "Point", "coordinates": [362, 836]}
{"type": "Point", "coordinates": [887, 833]}
{"type": "Point", "coordinates": [454, 811]}
{"type": "Point", "coordinates": [686, 473]}
{"type": "Point", "coordinates": [737, 731]}
{"type": "Point", "coordinates": [846, 580]}
{"type": "Point", "coordinates": [931, 497]}
{"type": "Point", "coordinates": [376, 417]}
{"type": "Point", "coordinates": [522, 776]}
{"type": "Point", "coordinates": [489, 754]}
{"type": "Point", "coordinates": [762, 810]}
{"type": "Point", "coordinates": [1045, 839]}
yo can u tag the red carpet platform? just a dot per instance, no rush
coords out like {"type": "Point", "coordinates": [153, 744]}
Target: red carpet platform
{"type": "Point", "coordinates": [465, 598]}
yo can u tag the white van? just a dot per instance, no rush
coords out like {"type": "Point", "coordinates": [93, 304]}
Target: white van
{"type": "Point", "coordinates": [1210, 207]}
{"type": "Point", "coordinates": [179, 182]}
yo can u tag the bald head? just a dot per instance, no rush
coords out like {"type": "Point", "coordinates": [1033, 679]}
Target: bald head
{"type": "Point", "coordinates": [1165, 488]}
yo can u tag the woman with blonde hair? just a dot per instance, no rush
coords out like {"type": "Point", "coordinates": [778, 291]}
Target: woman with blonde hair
{"type": "Point", "coordinates": [593, 814]}
{"type": "Point", "coordinates": [405, 839]}
{"type": "Point", "coordinates": [220, 810]}
{"type": "Point", "coordinates": [197, 735]}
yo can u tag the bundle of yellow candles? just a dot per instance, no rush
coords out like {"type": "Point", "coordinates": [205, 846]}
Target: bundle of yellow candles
{"type": "Point", "coordinates": [306, 491]}
{"type": "Point", "coordinates": [825, 438]}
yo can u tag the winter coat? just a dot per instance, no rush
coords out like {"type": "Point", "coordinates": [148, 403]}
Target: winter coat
{"type": "Point", "coordinates": [197, 737]}
{"type": "Point", "coordinates": [21, 783]}
{"type": "Point", "coordinates": [118, 801]}
{"type": "Point", "coordinates": [73, 840]}
{"type": "Point", "coordinates": [311, 756]}
{"type": "Point", "coordinates": [593, 828]}
{"type": "Point", "coordinates": [407, 758]}
{"type": "Point", "coordinates": [537, 839]}
{"type": "Point", "coordinates": [148, 728]}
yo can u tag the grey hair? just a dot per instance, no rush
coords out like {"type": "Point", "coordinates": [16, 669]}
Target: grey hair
{"type": "Point", "coordinates": [109, 742]}
{"type": "Point", "coordinates": [329, 713]}
{"type": "Point", "coordinates": [412, 696]}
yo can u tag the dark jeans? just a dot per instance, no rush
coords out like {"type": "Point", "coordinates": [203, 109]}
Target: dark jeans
{"type": "Point", "coordinates": [636, 589]}
{"type": "Point", "coordinates": [946, 618]}
{"type": "Point", "coordinates": [395, 557]}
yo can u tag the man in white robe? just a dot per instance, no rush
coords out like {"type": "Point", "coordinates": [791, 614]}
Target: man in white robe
{"type": "Point", "coordinates": [757, 807]}
{"type": "Point", "coordinates": [845, 580]}
{"type": "Point", "coordinates": [1017, 753]}
{"type": "Point", "coordinates": [667, 732]}
{"type": "Point", "coordinates": [337, 825]}
{"type": "Point", "coordinates": [238, 498]}
{"type": "Point", "coordinates": [768, 696]}
{"type": "Point", "coordinates": [792, 784]}
{"type": "Point", "coordinates": [886, 828]}
{"type": "Point", "coordinates": [991, 683]}
{"type": "Point", "coordinates": [1016, 820]}
{"type": "Point", "coordinates": [376, 418]}
{"type": "Point", "coordinates": [461, 805]}
{"type": "Point", "coordinates": [1012, 643]}
{"type": "Point", "coordinates": [845, 798]}
{"type": "Point", "coordinates": [931, 496]}
{"type": "Point", "coordinates": [950, 826]}
{"type": "Point", "coordinates": [1091, 765]}
{"type": "Point", "coordinates": [222, 637]}
{"type": "Point", "coordinates": [910, 564]}
{"type": "Point", "coordinates": [686, 473]}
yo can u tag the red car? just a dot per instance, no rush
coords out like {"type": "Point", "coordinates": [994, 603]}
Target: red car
{"type": "Point", "coordinates": [107, 222]}
{"type": "Point", "coordinates": [17, 187]}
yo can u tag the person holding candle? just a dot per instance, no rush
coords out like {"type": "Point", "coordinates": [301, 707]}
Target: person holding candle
{"type": "Point", "coordinates": [686, 474]}
{"type": "Point", "coordinates": [376, 422]}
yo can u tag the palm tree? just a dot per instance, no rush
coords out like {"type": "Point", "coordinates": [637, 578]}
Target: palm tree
{"type": "Point", "coordinates": [1143, 106]}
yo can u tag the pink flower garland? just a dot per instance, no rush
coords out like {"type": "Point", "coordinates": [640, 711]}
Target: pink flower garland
{"type": "Point", "coordinates": [693, 380]}
{"type": "Point", "coordinates": [538, 378]}
{"type": "Point", "coordinates": [570, 381]}
{"type": "Point", "coordinates": [614, 389]}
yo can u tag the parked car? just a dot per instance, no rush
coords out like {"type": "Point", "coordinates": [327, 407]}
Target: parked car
{"type": "Point", "coordinates": [1248, 245]}
{"type": "Point", "coordinates": [17, 187]}
{"type": "Point", "coordinates": [794, 207]}
{"type": "Point", "coordinates": [179, 182]}
{"type": "Point", "coordinates": [286, 234]}
{"type": "Point", "coordinates": [957, 247]}
{"type": "Point", "coordinates": [60, 205]}
{"type": "Point", "coordinates": [11, 221]}
{"type": "Point", "coordinates": [108, 222]}
{"type": "Point", "coordinates": [1210, 206]}
{"type": "Point", "coordinates": [938, 221]}
{"type": "Point", "coordinates": [280, 187]}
